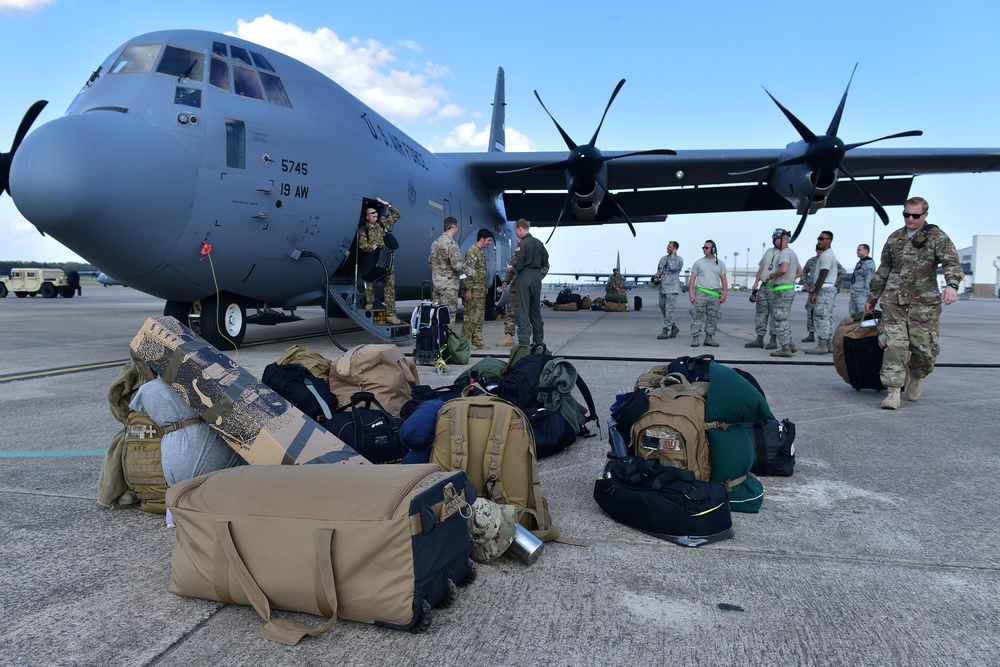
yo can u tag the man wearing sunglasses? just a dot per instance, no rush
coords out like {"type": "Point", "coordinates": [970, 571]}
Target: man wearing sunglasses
{"type": "Point", "coordinates": [707, 291]}
{"type": "Point", "coordinates": [824, 294]}
{"type": "Point", "coordinates": [906, 282]}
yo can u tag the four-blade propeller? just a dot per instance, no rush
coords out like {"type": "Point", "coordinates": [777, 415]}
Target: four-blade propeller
{"type": "Point", "coordinates": [584, 163]}
{"type": "Point", "coordinates": [824, 156]}
{"type": "Point", "coordinates": [6, 158]}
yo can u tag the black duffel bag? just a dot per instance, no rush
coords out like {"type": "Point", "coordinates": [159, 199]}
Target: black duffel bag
{"type": "Point", "coordinates": [666, 502]}
{"type": "Point", "coordinates": [368, 429]}
{"type": "Point", "coordinates": [773, 447]}
{"type": "Point", "coordinates": [302, 389]}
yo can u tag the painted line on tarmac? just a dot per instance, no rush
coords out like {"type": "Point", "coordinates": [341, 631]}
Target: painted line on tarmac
{"type": "Point", "coordinates": [65, 370]}
{"type": "Point", "coordinates": [33, 453]}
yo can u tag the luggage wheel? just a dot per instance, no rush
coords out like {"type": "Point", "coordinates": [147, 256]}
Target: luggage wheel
{"type": "Point", "coordinates": [450, 594]}
{"type": "Point", "coordinates": [426, 615]}
{"type": "Point", "coordinates": [470, 572]}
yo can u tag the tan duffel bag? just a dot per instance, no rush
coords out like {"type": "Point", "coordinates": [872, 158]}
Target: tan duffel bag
{"type": "Point", "coordinates": [374, 544]}
{"type": "Point", "coordinates": [381, 369]}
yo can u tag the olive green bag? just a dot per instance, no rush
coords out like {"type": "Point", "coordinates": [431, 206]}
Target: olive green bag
{"type": "Point", "coordinates": [458, 351]}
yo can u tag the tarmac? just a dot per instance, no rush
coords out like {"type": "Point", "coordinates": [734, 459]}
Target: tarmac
{"type": "Point", "coordinates": [881, 549]}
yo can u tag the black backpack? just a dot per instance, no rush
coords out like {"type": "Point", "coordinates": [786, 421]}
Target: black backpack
{"type": "Point", "coordinates": [302, 389]}
{"type": "Point", "coordinates": [519, 385]}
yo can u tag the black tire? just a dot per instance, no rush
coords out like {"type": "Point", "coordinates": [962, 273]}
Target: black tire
{"type": "Point", "coordinates": [450, 594]}
{"type": "Point", "coordinates": [223, 322]}
{"type": "Point", "coordinates": [426, 616]}
{"type": "Point", "coordinates": [67, 292]}
{"type": "Point", "coordinates": [20, 295]}
{"type": "Point", "coordinates": [179, 310]}
{"type": "Point", "coordinates": [48, 291]}
{"type": "Point", "coordinates": [3, 290]}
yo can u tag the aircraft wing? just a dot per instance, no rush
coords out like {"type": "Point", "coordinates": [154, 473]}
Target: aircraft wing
{"type": "Point", "coordinates": [650, 187]}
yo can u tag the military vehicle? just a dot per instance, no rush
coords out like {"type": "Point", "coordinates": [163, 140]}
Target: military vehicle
{"type": "Point", "coordinates": [50, 283]}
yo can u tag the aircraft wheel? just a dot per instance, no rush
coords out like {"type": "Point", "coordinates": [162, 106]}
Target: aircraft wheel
{"type": "Point", "coordinates": [48, 291]}
{"type": "Point", "coordinates": [179, 310]}
{"type": "Point", "coordinates": [20, 295]}
{"type": "Point", "coordinates": [223, 322]}
{"type": "Point", "coordinates": [3, 290]}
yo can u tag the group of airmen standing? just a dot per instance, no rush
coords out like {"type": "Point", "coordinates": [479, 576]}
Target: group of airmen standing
{"type": "Point", "coordinates": [905, 282]}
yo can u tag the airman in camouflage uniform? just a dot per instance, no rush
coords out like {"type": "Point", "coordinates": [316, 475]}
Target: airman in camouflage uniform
{"type": "Point", "coordinates": [824, 293]}
{"type": "Point", "coordinates": [761, 294]}
{"type": "Point", "coordinates": [707, 291]}
{"type": "Point", "coordinates": [906, 282]}
{"type": "Point", "coordinates": [615, 284]}
{"type": "Point", "coordinates": [782, 279]}
{"type": "Point", "coordinates": [371, 236]}
{"type": "Point", "coordinates": [808, 275]}
{"type": "Point", "coordinates": [446, 266]}
{"type": "Point", "coordinates": [475, 291]}
{"type": "Point", "coordinates": [510, 317]}
{"type": "Point", "coordinates": [864, 271]}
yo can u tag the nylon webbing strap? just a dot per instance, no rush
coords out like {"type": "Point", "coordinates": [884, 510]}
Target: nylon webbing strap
{"type": "Point", "coordinates": [458, 422]}
{"type": "Point", "coordinates": [322, 404]}
{"type": "Point", "coordinates": [492, 483]}
{"type": "Point", "coordinates": [709, 291]}
{"type": "Point", "coordinates": [176, 426]}
{"type": "Point", "coordinates": [778, 288]}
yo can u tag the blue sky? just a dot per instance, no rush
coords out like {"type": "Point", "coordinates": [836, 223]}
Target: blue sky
{"type": "Point", "coordinates": [694, 74]}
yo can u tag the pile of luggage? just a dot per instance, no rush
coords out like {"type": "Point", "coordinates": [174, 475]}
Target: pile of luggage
{"type": "Point", "coordinates": [310, 498]}
{"type": "Point", "coordinates": [688, 445]}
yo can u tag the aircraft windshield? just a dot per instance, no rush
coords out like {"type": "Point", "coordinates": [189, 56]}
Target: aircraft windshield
{"type": "Point", "coordinates": [182, 63]}
{"type": "Point", "coordinates": [136, 58]}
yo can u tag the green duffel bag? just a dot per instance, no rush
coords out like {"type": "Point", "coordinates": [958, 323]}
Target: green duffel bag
{"type": "Point", "coordinates": [458, 351]}
{"type": "Point", "coordinates": [615, 297]}
{"type": "Point", "coordinates": [488, 371]}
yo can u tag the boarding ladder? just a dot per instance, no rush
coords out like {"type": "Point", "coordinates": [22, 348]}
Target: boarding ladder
{"type": "Point", "coordinates": [352, 303]}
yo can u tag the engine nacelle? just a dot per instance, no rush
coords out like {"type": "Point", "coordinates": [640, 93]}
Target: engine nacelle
{"type": "Point", "coordinates": [795, 183]}
{"type": "Point", "coordinates": [587, 192]}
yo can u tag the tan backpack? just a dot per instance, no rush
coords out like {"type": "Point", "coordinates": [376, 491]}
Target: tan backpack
{"type": "Point", "coordinates": [672, 429]}
{"type": "Point", "coordinates": [380, 369]}
{"type": "Point", "coordinates": [492, 441]}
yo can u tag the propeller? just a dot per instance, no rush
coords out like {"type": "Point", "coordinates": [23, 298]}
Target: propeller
{"type": "Point", "coordinates": [22, 130]}
{"type": "Point", "coordinates": [824, 155]}
{"type": "Point", "coordinates": [585, 161]}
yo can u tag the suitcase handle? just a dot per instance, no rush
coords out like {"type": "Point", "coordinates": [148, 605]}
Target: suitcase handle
{"type": "Point", "coordinates": [279, 630]}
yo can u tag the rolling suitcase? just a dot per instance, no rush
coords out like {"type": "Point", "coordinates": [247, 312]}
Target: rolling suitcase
{"type": "Point", "coordinates": [374, 544]}
{"type": "Point", "coordinates": [429, 324]}
{"type": "Point", "coordinates": [857, 355]}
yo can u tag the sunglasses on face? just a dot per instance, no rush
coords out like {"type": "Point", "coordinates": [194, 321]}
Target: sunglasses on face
{"type": "Point", "coordinates": [822, 238]}
{"type": "Point", "coordinates": [907, 214]}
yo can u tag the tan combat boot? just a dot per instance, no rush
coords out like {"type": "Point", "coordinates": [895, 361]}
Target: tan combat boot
{"type": "Point", "coordinates": [811, 338]}
{"type": "Point", "coordinates": [508, 341]}
{"type": "Point", "coordinates": [772, 344]}
{"type": "Point", "coordinates": [914, 389]}
{"type": "Point", "coordinates": [822, 347]}
{"type": "Point", "coordinates": [674, 331]}
{"type": "Point", "coordinates": [891, 401]}
{"type": "Point", "coordinates": [710, 342]}
{"type": "Point", "coordinates": [785, 351]}
{"type": "Point", "coordinates": [756, 342]}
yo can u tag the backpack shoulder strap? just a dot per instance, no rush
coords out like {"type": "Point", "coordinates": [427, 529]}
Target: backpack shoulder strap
{"type": "Point", "coordinates": [493, 461]}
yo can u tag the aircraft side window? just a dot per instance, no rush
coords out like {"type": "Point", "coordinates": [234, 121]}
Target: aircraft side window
{"type": "Point", "coordinates": [275, 90]}
{"type": "Point", "coordinates": [245, 83]}
{"type": "Point", "coordinates": [136, 58]}
{"type": "Point", "coordinates": [261, 61]}
{"type": "Point", "coordinates": [219, 49]}
{"type": "Point", "coordinates": [182, 63]}
{"type": "Point", "coordinates": [240, 54]}
{"type": "Point", "coordinates": [236, 144]}
{"type": "Point", "coordinates": [219, 74]}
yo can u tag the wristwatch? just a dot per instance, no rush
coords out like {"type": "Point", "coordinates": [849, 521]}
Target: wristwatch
{"type": "Point", "coordinates": [954, 286]}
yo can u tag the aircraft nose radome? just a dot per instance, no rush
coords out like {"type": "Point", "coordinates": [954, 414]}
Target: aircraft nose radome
{"type": "Point", "coordinates": [112, 187]}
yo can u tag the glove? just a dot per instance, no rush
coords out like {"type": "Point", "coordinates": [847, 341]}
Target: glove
{"type": "Point", "coordinates": [753, 296]}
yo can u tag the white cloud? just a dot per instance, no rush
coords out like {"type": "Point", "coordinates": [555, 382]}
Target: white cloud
{"type": "Point", "coordinates": [22, 5]}
{"type": "Point", "coordinates": [467, 136]}
{"type": "Point", "coordinates": [362, 67]}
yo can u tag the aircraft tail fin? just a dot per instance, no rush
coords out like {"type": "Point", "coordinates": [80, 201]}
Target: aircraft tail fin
{"type": "Point", "coordinates": [497, 132]}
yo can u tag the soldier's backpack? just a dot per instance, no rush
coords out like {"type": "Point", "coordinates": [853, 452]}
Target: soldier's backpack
{"type": "Point", "coordinates": [142, 463]}
{"type": "Point", "coordinates": [519, 384]}
{"type": "Point", "coordinates": [492, 441]}
{"type": "Point", "coordinates": [672, 430]}
{"type": "Point", "coordinates": [302, 389]}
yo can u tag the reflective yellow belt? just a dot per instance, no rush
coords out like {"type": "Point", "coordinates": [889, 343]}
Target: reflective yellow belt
{"type": "Point", "coordinates": [709, 291]}
{"type": "Point", "coordinates": [778, 288]}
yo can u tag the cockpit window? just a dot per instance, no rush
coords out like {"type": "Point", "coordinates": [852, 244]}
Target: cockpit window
{"type": "Point", "coordinates": [261, 62]}
{"type": "Point", "coordinates": [219, 75]}
{"type": "Point", "coordinates": [245, 82]}
{"type": "Point", "coordinates": [182, 63]}
{"type": "Point", "coordinates": [275, 90]}
{"type": "Point", "coordinates": [219, 49]}
{"type": "Point", "coordinates": [136, 58]}
{"type": "Point", "coordinates": [240, 54]}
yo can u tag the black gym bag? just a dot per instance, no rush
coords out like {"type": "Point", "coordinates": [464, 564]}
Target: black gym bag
{"type": "Point", "coordinates": [370, 431]}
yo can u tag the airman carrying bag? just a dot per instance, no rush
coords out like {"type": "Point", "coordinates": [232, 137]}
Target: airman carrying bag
{"type": "Point", "coordinates": [374, 544]}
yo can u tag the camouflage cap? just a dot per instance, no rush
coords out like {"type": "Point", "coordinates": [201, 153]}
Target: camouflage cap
{"type": "Point", "coordinates": [492, 529]}
{"type": "Point", "coordinates": [779, 232]}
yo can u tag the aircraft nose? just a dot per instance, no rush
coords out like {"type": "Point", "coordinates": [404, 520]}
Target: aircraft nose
{"type": "Point", "coordinates": [110, 186]}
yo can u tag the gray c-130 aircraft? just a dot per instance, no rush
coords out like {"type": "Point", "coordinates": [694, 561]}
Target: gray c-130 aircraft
{"type": "Point", "coordinates": [203, 169]}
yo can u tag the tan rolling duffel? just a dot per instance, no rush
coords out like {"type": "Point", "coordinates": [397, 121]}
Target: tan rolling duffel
{"type": "Point", "coordinates": [375, 544]}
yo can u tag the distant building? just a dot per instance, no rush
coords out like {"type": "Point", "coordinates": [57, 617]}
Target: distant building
{"type": "Point", "coordinates": [981, 264]}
